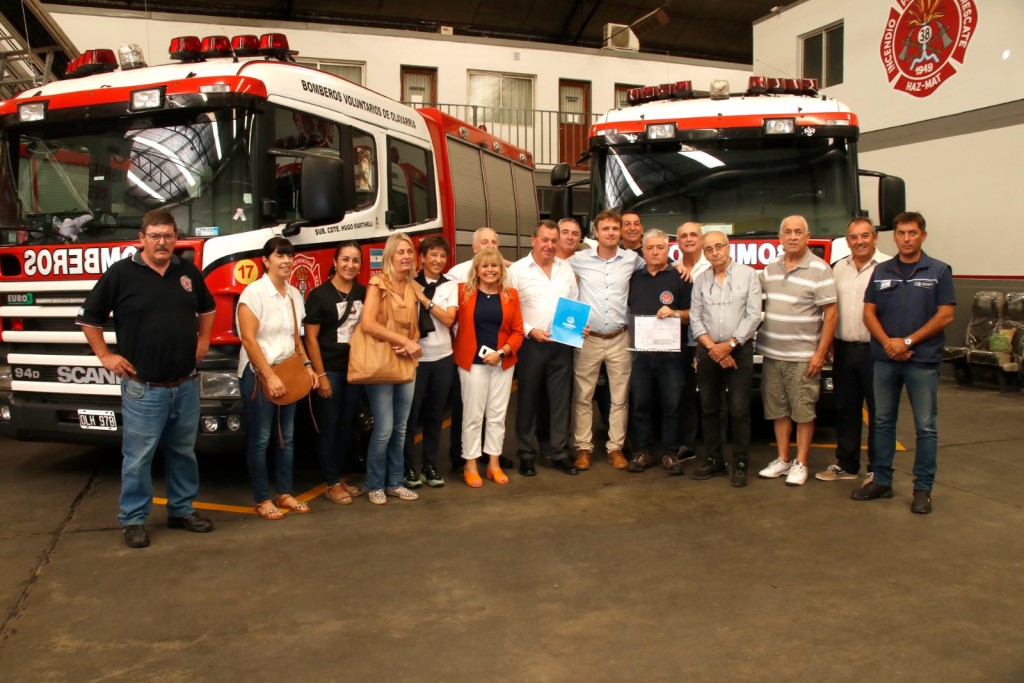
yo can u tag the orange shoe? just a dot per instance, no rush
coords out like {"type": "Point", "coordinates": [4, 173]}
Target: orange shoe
{"type": "Point", "coordinates": [496, 475]}
{"type": "Point", "coordinates": [472, 478]}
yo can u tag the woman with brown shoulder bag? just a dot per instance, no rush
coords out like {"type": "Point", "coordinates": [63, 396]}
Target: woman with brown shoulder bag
{"type": "Point", "coordinates": [267, 320]}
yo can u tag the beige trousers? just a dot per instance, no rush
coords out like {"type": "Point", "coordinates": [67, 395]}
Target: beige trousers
{"type": "Point", "coordinates": [618, 360]}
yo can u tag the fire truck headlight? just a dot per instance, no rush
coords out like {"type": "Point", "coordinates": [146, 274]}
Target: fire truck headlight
{"type": "Point", "coordinates": [5, 413]}
{"type": "Point", "coordinates": [661, 131]}
{"type": "Point", "coordinates": [147, 99]}
{"type": "Point", "coordinates": [234, 423]}
{"type": "Point", "coordinates": [6, 377]}
{"type": "Point", "coordinates": [32, 111]}
{"type": "Point", "coordinates": [218, 385]}
{"type": "Point", "coordinates": [779, 126]}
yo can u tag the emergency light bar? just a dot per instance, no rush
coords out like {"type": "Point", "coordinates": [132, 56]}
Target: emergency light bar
{"type": "Point", "coordinates": [191, 49]}
{"type": "Point", "coordinates": [91, 62]}
{"type": "Point", "coordinates": [719, 90]}
{"type": "Point", "coordinates": [131, 57]}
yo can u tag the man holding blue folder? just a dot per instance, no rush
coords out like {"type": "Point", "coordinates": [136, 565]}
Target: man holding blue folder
{"type": "Point", "coordinates": [541, 279]}
{"type": "Point", "coordinates": [603, 276]}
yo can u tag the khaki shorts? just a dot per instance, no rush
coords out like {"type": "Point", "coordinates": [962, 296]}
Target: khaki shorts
{"type": "Point", "coordinates": [786, 390]}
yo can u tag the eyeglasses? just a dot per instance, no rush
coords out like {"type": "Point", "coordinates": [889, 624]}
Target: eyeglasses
{"type": "Point", "coordinates": [712, 248]}
{"type": "Point", "coordinates": [160, 236]}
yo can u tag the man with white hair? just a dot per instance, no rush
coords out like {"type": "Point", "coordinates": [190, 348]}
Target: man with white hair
{"type": "Point", "coordinates": [800, 319]}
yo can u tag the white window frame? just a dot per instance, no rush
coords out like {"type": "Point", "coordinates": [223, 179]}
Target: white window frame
{"type": "Point", "coordinates": [506, 113]}
{"type": "Point", "coordinates": [317, 63]}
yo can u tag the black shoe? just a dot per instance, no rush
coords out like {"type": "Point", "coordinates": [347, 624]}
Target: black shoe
{"type": "Point", "coordinates": [710, 468]}
{"type": "Point", "coordinates": [411, 479]}
{"type": "Point", "coordinates": [564, 465]}
{"type": "Point", "coordinates": [922, 504]}
{"type": "Point", "coordinates": [685, 454]}
{"type": "Point", "coordinates": [135, 536]}
{"type": "Point", "coordinates": [739, 475]}
{"type": "Point", "coordinates": [190, 522]}
{"type": "Point", "coordinates": [526, 467]}
{"type": "Point", "coordinates": [433, 478]}
{"type": "Point", "coordinates": [505, 463]}
{"type": "Point", "coordinates": [872, 491]}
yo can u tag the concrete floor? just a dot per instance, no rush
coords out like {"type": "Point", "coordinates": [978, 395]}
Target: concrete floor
{"type": "Point", "coordinates": [607, 576]}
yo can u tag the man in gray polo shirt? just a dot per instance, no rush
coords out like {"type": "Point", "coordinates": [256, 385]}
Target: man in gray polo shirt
{"type": "Point", "coordinates": [799, 323]}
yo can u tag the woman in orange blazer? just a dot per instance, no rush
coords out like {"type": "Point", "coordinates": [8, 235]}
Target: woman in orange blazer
{"type": "Point", "coordinates": [489, 335]}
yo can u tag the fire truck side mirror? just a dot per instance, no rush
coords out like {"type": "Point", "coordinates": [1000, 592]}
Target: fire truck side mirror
{"type": "Point", "coordinates": [328, 192]}
{"type": "Point", "coordinates": [560, 175]}
{"type": "Point", "coordinates": [892, 200]}
{"type": "Point", "coordinates": [561, 203]}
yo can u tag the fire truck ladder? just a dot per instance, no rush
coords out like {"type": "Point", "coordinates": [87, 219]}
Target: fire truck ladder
{"type": "Point", "coordinates": [33, 48]}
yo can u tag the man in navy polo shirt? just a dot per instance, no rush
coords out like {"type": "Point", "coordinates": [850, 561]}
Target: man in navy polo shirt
{"type": "Point", "coordinates": [908, 303]}
{"type": "Point", "coordinates": [163, 317]}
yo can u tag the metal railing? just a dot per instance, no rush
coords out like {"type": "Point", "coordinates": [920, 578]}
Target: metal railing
{"type": "Point", "coordinates": [552, 137]}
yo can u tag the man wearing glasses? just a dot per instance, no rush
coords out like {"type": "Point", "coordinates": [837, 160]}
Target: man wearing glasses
{"type": "Point", "coordinates": [724, 314]}
{"type": "Point", "coordinates": [163, 317]}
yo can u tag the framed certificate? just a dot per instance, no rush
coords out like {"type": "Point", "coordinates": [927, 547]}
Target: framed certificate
{"type": "Point", "coordinates": [654, 334]}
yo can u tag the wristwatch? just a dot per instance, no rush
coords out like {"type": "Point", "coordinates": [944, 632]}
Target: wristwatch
{"type": "Point", "coordinates": [501, 354]}
{"type": "Point", "coordinates": [430, 305]}
{"type": "Point", "coordinates": [732, 343]}
{"type": "Point", "coordinates": [906, 340]}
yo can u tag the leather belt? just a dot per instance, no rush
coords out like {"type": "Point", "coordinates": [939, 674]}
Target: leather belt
{"type": "Point", "coordinates": [164, 385]}
{"type": "Point", "coordinates": [609, 335]}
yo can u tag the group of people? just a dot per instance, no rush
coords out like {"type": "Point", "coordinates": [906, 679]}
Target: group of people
{"type": "Point", "coordinates": [878, 320]}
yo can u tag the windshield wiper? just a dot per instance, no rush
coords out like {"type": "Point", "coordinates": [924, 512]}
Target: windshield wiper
{"type": "Point", "coordinates": [38, 231]}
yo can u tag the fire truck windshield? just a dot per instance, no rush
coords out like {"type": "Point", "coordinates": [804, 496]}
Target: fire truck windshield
{"type": "Point", "coordinates": [747, 185]}
{"type": "Point", "coordinates": [93, 182]}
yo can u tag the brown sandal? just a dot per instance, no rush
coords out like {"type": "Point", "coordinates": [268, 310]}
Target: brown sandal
{"type": "Point", "coordinates": [337, 493]}
{"type": "Point", "coordinates": [272, 512]}
{"type": "Point", "coordinates": [296, 505]}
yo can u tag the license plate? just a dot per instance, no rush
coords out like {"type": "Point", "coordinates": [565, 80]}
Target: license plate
{"type": "Point", "coordinates": [97, 419]}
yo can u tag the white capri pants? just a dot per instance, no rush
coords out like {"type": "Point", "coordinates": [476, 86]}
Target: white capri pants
{"type": "Point", "coordinates": [485, 393]}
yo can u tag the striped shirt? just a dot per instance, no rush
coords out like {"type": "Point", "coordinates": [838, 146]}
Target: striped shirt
{"type": "Point", "coordinates": [793, 310]}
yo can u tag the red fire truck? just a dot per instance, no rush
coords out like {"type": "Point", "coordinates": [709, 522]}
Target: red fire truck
{"type": "Point", "coordinates": [738, 163]}
{"type": "Point", "coordinates": [240, 144]}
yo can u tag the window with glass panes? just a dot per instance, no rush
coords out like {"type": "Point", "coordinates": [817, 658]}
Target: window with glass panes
{"type": "Point", "coordinates": [823, 55]}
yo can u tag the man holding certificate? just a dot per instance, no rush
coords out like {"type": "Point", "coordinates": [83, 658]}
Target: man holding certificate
{"type": "Point", "coordinates": [603, 274]}
{"type": "Point", "coordinates": [659, 303]}
{"type": "Point", "coordinates": [541, 280]}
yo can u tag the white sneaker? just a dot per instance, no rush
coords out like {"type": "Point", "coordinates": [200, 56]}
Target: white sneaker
{"type": "Point", "coordinates": [797, 475]}
{"type": "Point", "coordinates": [776, 468]}
{"type": "Point", "coordinates": [834, 473]}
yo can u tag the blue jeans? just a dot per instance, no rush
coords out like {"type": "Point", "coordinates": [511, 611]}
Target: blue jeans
{"type": "Point", "coordinates": [264, 417]}
{"type": "Point", "coordinates": [656, 377]}
{"type": "Point", "coordinates": [165, 417]}
{"type": "Point", "coordinates": [335, 416]}
{"type": "Point", "coordinates": [390, 405]}
{"type": "Point", "coordinates": [922, 382]}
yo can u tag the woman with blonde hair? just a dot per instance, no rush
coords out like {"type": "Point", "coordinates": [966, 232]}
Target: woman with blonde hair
{"type": "Point", "coordinates": [490, 333]}
{"type": "Point", "coordinates": [390, 297]}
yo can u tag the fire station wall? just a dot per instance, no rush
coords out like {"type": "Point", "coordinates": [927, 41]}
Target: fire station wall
{"type": "Point", "coordinates": [958, 148]}
{"type": "Point", "coordinates": [984, 79]}
{"type": "Point", "coordinates": [385, 52]}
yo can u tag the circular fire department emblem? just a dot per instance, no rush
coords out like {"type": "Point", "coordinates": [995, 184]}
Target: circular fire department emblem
{"type": "Point", "coordinates": [186, 283]}
{"type": "Point", "coordinates": [305, 274]}
{"type": "Point", "coordinates": [923, 39]}
{"type": "Point", "coordinates": [666, 298]}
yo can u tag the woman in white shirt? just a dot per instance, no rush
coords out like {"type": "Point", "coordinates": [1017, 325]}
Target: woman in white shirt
{"type": "Point", "coordinates": [268, 310]}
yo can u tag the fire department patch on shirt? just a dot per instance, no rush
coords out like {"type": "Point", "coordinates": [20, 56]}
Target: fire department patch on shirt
{"type": "Point", "coordinates": [666, 298]}
{"type": "Point", "coordinates": [186, 283]}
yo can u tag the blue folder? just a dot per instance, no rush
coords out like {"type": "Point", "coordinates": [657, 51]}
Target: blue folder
{"type": "Point", "coordinates": [570, 319]}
